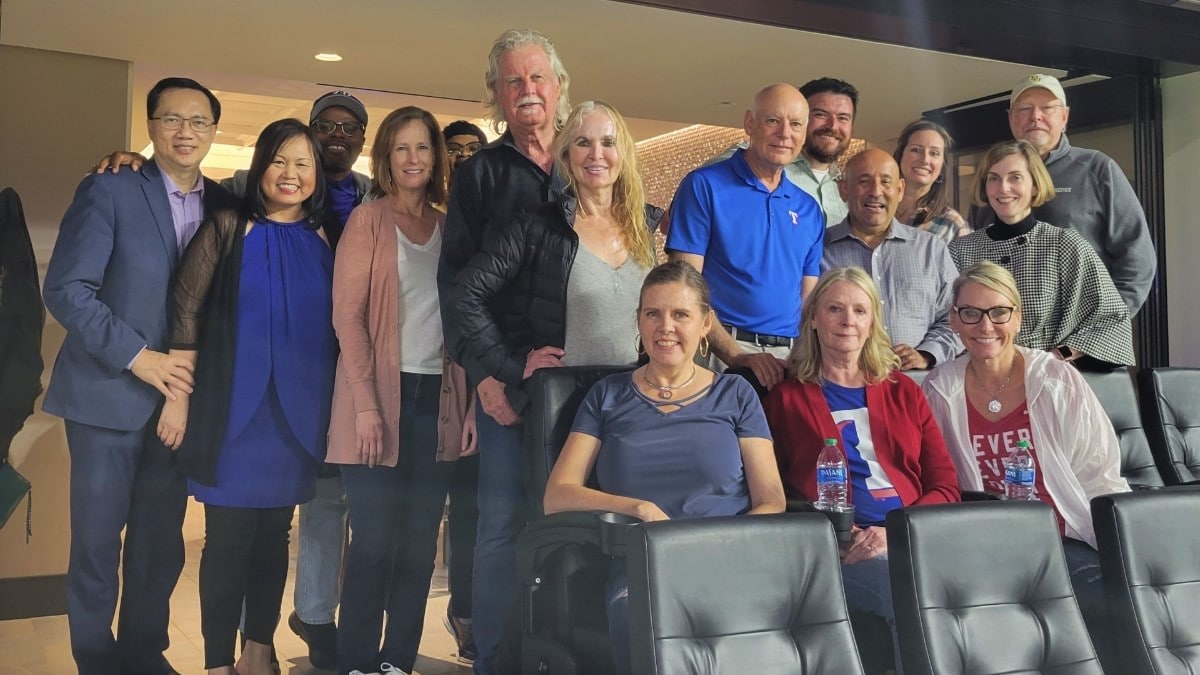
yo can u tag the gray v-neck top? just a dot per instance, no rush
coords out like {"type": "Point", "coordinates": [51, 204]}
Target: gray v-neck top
{"type": "Point", "coordinates": [602, 311]}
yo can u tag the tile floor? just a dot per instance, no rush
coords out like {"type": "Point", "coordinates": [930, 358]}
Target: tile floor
{"type": "Point", "coordinates": [41, 646]}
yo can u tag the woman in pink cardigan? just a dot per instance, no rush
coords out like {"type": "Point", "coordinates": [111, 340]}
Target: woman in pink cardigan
{"type": "Point", "coordinates": [844, 384]}
{"type": "Point", "coordinates": [398, 402]}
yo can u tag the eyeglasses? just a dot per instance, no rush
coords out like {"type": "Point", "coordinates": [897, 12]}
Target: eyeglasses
{"type": "Point", "coordinates": [973, 315]}
{"type": "Point", "coordinates": [174, 122]}
{"type": "Point", "coordinates": [348, 128]}
{"type": "Point", "coordinates": [456, 150]}
{"type": "Point", "coordinates": [1046, 110]}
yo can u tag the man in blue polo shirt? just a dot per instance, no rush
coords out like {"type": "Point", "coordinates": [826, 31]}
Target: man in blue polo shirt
{"type": "Point", "coordinates": [754, 235]}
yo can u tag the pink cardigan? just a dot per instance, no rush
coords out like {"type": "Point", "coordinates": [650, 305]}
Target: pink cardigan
{"type": "Point", "coordinates": [366, 320]}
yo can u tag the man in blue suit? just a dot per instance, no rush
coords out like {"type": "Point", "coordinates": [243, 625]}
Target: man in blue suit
{"type": "Point", "coordinates": [108, 283]}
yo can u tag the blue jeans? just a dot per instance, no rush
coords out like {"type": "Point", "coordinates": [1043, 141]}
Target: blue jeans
{"type": "Point", "coordinates": [1083, 564]}
{"type": "Point", "coordinates": [321, 546]}
{"type": "Point", "coordinates": [503, 513]}
{"type": "Point", "coordinates": [616, 599]}
{"type": "Point", "coordinates": [868, 587]}
{"type": "Point", "coordinates": [394, 518]}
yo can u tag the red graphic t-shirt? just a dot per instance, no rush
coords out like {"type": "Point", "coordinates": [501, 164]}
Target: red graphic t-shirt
{"type": "Point", "coordinates": [993, 441]}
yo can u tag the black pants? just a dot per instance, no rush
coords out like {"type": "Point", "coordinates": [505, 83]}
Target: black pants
{"type": "Point", "coordinates": [464, 520]}
{"type": "Point", "coordinates": [245, 558]}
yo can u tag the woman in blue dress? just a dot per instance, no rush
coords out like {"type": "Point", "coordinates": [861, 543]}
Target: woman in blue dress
{"type": "Point", "coordinates": [252, 309]}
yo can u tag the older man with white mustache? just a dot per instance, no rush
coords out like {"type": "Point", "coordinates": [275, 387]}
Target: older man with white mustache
{"type": "Point", "coordinates": [527, 99]}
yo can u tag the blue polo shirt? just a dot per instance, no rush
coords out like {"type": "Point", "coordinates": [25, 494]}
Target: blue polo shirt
{"type": "Point", "coordinates": [757, 245]}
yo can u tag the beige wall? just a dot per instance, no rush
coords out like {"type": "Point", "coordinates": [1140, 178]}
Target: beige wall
{"type": "Point", "coordinates": [61, 112]}
{"type": "Point", "coordinates": [1181, 159]}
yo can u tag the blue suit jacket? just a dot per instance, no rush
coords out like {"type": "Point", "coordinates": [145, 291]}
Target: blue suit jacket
{"type": "Point", "coordinates": [108, 284]}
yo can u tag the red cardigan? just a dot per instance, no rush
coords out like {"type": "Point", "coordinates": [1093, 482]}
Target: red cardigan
{"type": "Point", "coordinates": [908, 443]}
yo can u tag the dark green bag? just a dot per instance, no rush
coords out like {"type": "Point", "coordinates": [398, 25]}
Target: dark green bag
{"type": "Point", "coordinates": [13, 487]}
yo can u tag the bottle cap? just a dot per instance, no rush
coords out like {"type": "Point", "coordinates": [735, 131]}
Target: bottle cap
{"type": "Point", "coordinates": [833, 441]}
{"type": "Point", "coordinates": [1022, 444]}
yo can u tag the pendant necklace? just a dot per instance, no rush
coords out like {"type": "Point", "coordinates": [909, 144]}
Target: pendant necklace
{"type": "Point", "coordinates": [666, 392]}
{"type": "Point", "coordinates": [993, 405]}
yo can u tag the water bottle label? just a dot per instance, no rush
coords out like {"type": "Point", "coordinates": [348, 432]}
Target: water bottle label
{"type": "Point", "coordinates": [831, 474]}
{"type": "Point", "coordinates": [1016, 475]}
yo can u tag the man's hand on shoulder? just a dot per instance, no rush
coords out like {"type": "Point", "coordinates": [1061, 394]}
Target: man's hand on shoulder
{"type": "Point", "coordinates": [118, 159]}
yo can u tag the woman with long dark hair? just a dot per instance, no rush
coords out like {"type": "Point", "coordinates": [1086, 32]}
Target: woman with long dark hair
{"type": "Point", "coordinates": [252, 307]}
{"type": "Point", "coordinates": [921, 154]}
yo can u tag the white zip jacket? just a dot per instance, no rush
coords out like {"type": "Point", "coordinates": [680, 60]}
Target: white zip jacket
{"type": "Point", "coordinates": [1076, 447]}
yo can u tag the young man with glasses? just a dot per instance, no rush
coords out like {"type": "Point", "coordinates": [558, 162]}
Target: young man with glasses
{"type": "Point", "coordinates": [1092, 195]}
{"type": "Point", "coordinates": [107, 283]}
{"type": "Point", "coordinates": [463, 140]}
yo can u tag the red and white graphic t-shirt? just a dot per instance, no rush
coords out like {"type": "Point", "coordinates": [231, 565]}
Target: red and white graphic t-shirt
{"type": "Point", "coordinates": [993, 441]}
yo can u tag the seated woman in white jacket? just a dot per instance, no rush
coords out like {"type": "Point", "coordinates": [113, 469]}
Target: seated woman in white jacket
{"type": "Point", "coordinates": [997, 394]}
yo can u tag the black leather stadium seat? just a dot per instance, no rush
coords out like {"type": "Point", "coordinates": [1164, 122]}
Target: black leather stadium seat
{"type": "Point", "coordinates": [743, 594]}
{"type": "Point", "coordinates": [1117, 394]}
{"type": "Point", "coordinates": [561, 566]}
{"type": "Point", "coordinates": [983, 588]}
{"type": "Point", "coordinates": [1170, 405]}
{"type": "Point", "coordinates": [1150, 557]}
{"type": "Point", "coordinates": [555, 395]}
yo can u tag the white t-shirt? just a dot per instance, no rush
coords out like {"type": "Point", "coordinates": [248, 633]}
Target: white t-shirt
{"type": "Point", "coordinates": [419, 315]}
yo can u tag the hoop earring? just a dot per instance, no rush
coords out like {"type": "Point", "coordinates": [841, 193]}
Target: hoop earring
{"type": "Point", "coordinates": [704, 346]}
{"type": "Point", "coordinates": [638, 347]}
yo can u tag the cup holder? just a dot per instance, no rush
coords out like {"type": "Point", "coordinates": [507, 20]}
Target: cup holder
{"type": "Point", "coordinates": [614, 527]}
{"type": "Point", "coordinates": [843, 524]}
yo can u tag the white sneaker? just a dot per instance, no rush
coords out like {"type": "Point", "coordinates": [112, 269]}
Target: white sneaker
{"type": "Point", "coordinates": [359, 672]}
{"type": "Point", "coordinates": [389, 669]}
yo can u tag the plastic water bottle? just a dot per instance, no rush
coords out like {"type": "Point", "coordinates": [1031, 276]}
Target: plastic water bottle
{"type": "Point", "coordinates": [831, 478]}
{"type": "Point", "coordinates": [1019, 473]}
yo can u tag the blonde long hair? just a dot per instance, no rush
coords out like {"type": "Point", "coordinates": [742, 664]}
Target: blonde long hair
{"type": "Point", "coordinates": [877, 360]}
{"type": "Point", "coordinates": [629, 197]}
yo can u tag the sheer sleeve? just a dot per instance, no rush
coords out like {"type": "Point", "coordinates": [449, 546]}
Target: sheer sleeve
{"type": "Point", "coordinates": [194, 278]}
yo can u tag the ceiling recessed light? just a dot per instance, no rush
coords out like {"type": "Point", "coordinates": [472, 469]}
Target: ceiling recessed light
{"type": "Point", "coordinates": [323, 56]}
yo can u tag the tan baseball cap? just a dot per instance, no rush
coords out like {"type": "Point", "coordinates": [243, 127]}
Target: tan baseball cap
{"type": "Point", "coordinates": [1047, 82]}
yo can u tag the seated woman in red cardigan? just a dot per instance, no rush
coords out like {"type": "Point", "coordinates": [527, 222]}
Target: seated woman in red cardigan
{"type": "Point", "coordinates": [844, 384]}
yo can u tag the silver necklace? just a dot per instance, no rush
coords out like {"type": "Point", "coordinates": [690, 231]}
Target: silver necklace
{"type": "Point", "coordinates": [993, 405]}
{"type": "Point", "coordinates": [666, 392]}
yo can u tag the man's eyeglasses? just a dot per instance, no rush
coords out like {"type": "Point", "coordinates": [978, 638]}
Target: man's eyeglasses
{"type": "Point", "coordinates": [174, 122]}
{"type": "Point", "coordinates": [456, 150]}
{"type": "Point", "coordinates": [1046, 110]}
{"type": "Point", "coordinates": [973, 315]}
{"type": "Point", "coordinates": [348, 128]}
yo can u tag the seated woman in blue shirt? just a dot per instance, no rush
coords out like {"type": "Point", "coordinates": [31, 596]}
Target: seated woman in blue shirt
{"type": "Point", "coordinates": [670, 439]}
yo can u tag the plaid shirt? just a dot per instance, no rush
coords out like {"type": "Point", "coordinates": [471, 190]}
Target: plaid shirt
{"type": "Point", "coordinates": [914, 272]}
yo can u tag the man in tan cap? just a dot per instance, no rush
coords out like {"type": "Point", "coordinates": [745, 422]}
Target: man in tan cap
{"type": "Point", "coordinates": [1092, 194]}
